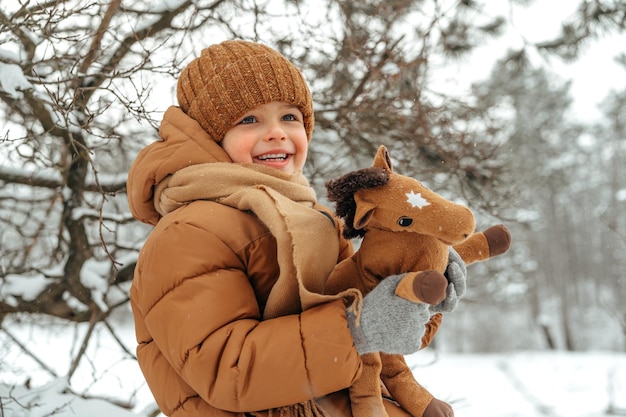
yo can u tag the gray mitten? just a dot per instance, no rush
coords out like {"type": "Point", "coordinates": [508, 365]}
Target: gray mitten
{"type": "Point", "coordinates": [456, 274]}
{"type": "Point", "coordinates": [388, 323]}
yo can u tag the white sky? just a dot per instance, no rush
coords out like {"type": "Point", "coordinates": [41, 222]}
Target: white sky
{"type": "Point", "coordinates": [592, 76]}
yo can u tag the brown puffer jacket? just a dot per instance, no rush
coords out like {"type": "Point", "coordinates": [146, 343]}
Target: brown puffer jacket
{"type": "Point", "coordinates": [200, 285]}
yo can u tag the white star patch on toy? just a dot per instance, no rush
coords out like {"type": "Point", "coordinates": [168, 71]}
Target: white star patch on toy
{"type": "Point", "coordinates": [416, 200]}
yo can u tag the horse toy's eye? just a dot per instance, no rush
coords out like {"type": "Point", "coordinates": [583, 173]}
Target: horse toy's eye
{"type": "Point", "coordinates": [405, 221]}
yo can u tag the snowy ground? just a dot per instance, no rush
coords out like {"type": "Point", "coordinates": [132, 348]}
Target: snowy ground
{"type": "Point", "coordinates": [528, 384]}
{"type": "Point", "coordinates": [522, 384]}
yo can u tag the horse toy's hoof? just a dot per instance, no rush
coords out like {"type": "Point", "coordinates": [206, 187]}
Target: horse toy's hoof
{"type": "Point", "coordinates": [423, 287]}
{"type": "Point", "coordinates": [499, 239]}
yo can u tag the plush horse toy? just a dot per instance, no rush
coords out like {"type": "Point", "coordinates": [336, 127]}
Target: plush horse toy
{"type": "Point", "coordinates": [406, 229]}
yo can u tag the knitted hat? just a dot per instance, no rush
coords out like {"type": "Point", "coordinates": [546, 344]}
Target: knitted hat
{"type": "Point", "coordinates": [233, 77]}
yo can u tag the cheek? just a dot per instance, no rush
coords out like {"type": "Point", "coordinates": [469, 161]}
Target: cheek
{"type": "Point", "coordinates": [300, 139]}
{"type": "Point", "coordinates": [302, 153]}
{"type": "Point", "coordinates": [238, 150]}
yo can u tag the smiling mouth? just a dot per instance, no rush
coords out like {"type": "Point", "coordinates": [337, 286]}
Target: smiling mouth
{"type": "Point", "coordinates": [272, 157]}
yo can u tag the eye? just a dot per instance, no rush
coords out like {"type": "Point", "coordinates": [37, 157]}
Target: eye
{"type": "Point", "coordinates": [247, 120]}
{"type": "Point", "coordinates": [290, 118]}
{"type": "Point", "coordinates": [405, 221]}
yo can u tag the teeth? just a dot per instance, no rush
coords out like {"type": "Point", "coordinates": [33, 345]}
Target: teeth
{"type": "Point", "coordinates": [272, 156]}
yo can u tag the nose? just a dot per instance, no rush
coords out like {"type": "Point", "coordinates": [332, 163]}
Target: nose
{"type": "Point", "coordinates": [275, 132]}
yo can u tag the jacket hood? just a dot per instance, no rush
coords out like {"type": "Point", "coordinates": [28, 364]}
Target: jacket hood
{"type": "Point", "coordinates": [183, 143]}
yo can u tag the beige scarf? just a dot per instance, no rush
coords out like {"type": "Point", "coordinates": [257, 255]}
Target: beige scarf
{"type": "Point", "coordinates": [307, 241]}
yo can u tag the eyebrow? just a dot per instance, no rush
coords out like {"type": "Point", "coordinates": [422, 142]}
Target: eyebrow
{"type": "Point", "coordinates": [290, 106]}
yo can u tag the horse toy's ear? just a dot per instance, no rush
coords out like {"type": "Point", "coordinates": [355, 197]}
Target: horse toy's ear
{"type": "Point", "coordinates": [363, 212]}
{"type": "Point", "coordinates": [382, 159]}
{"type": "Point", "coordinates": [365, 209]}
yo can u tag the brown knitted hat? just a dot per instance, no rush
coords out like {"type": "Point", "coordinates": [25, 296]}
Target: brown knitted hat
{"type": "Point", "coordinates": [233, 77]}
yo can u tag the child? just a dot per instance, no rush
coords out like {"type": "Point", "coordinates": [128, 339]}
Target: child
{"type": "Point", "coordinates": [226, 293]}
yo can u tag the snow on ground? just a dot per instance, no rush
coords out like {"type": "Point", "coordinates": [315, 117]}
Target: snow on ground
{"type": "Point", "coordinates": [516, 384]}
{"type": "Point", "coordinates": [519, 384]}
{"type": "Point", "coordinates": [53, 399]}
{"type": "Point", "coordinates": [528, 384]}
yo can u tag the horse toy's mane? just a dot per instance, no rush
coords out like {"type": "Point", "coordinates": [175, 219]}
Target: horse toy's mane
{"type": "Point", "coordinates": [405, 229]}
{"type": "Point", "coordinates": [342, 193]}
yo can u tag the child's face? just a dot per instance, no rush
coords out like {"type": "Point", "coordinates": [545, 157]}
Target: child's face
{"type": "Point", "coordinates": [272, 135]}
